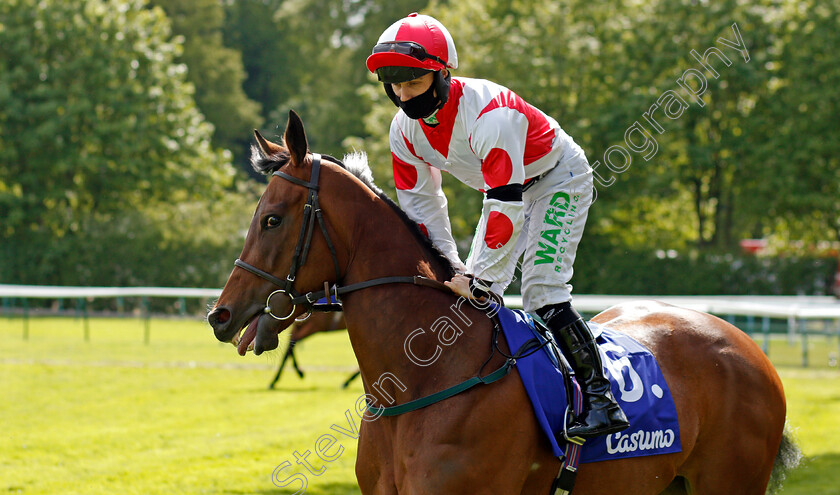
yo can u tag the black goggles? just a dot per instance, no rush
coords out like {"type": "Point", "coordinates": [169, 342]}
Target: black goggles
{"type": "Point", "coordinates": [410, 48]}
{"type": "Point", "coordinates": [395, 74]}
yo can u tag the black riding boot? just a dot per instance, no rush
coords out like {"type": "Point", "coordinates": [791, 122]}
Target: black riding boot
{"type": "Point", "coordinates": [601, 413]}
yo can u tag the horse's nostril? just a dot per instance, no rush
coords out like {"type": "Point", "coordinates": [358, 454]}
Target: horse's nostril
{"type": "Point", "coordinates": [219, 316]}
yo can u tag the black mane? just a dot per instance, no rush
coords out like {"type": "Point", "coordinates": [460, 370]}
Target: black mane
{"type": "Point", "coordinates": [267, 165]}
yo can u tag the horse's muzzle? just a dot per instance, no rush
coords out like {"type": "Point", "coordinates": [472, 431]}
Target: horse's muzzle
{"type": "Point", "coordinates": [220, 319]}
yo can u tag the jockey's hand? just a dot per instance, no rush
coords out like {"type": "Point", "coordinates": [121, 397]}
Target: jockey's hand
{"type": "Point", "coordinates": [460, 285]}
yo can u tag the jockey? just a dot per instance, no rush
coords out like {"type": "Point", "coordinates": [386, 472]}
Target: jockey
{"type": "Point", "coordinates": [536, 180]}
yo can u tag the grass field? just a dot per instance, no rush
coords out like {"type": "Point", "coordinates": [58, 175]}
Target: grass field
{"type": "Point", "coordinates": [185, 414]}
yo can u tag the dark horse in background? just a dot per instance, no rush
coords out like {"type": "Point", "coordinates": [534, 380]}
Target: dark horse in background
{"type": "Point", "coordinates": [315, 323]}
{"type": "Point", "coordinates": [729, 398]}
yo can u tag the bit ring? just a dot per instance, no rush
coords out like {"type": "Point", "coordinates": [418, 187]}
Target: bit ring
{"type": "Point", "coordinates": [267, 309]}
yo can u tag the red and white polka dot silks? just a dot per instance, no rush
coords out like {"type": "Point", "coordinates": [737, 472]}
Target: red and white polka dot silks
{"type": "Point", "coordinates": [487, 137]}
{"type": "Point", "coordinates": [499, 230]}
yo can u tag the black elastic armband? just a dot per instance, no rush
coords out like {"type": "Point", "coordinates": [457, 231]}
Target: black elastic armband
{"type": "Point", "coordinates": [479, 288]}
{"type": "Point", "coordinates": [508, 193]}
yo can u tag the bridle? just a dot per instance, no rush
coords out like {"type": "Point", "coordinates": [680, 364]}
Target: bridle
{"type": "Point", "coordinates": [311, 214]}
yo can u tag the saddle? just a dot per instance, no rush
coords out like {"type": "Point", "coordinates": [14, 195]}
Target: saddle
{"type": "Point", "coordinates": [569, 447]}
{"type": "Point", "coordinates": [549, 380]}
{"type": "Point", "coordinates": [637, 383]}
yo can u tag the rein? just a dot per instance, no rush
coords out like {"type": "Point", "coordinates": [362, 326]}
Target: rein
{"type": "Point", "coordinates": [311, 214]}
{"type": "Point", "coordinates": [528, 348]}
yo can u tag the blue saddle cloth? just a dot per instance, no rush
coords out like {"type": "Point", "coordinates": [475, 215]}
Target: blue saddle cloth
{"type": "Point", "coordinates": [323, 304]}
{"type": "Point", "coordinates": [637, 384]}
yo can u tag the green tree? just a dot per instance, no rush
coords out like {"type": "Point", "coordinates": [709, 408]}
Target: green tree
{"type": "Point", "coordinates": [599, 67]}
{"type": "Point", "coordinates": [704, 150]}
{"type": "Point", "coordinates": [97, 123]}
{"type": "Point", "coordinates": [329, 41]}
{"type": "Point", "coordinates": [215, 70]}
{"type": "Point", "coordinates": [797, 173]}
{"type": "Point", "coordinates": [249, 28]}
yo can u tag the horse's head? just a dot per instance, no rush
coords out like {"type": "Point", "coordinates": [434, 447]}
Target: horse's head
{"type": "Point", "coordinates": [290, 248]}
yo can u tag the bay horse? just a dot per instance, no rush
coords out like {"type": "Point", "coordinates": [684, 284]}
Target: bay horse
{"type": "Point", "coordinates": [322, 225]}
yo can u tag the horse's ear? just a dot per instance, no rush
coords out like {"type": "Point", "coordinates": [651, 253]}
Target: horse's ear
{"type": "Point", "coordinates": [295, 139]}
{"type": "Point", "coordinates": [267, 147]}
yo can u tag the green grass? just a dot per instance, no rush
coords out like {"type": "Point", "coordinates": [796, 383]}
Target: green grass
{"type": "Point", "coordinates": [185, 414]}
{"type": "Point", "coordinates": [813, 399]}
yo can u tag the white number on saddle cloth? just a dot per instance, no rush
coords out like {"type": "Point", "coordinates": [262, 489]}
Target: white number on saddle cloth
{"type": "Point", "coordinates": [630, 392]}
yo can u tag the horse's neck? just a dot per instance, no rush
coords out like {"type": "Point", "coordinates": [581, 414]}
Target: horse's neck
{"type": "Point", "coordinates": [386, 247]}
{"type": "Point", "coordinates": [412, 341]}
{"type": "Point", "coordinates": [405, 336]}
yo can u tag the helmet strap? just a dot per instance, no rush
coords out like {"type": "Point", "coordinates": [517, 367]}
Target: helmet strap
{"type": "Point", "coordinates": [442, 85]}
{"type": "Point", "coordinates": [390, 92]}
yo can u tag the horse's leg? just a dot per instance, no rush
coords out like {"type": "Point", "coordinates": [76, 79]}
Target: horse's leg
{"type": "Point", "coordinates": [374, 459]}
{"type": "Point", "coordinates": [738, 461]}
{"type": "Point", "coordinates": [350, 379]}
{"type": "Point", "coordinates": [282, 365]}
{"type": "Point", "coordinates": [743, 421]}
{"type": "Point", "coordinates": [458, 446]}
{"type": "Point", "coordinates": [299, 331]}
{"type": "Point", "coordinates": [291, 352]}
{"type": "Point", "coordinates": [317, 322]}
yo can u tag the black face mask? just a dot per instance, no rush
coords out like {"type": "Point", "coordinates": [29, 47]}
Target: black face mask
{"type": "Point", "coordinates": [422, 105]}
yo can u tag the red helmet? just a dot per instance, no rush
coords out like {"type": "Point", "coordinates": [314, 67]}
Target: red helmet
{"type": "Point", "coordinates": [417, 41]}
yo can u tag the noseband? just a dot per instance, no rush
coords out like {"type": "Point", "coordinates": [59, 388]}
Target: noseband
{"type": "Point", "coordinates": [311, 213]}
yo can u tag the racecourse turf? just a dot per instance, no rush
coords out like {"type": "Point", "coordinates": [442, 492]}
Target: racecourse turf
{"type": "Point", "coordinates": [184, 414]}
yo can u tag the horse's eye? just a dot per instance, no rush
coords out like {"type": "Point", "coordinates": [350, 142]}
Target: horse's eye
{"type": "Point", "coordinates": [272, 221]}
